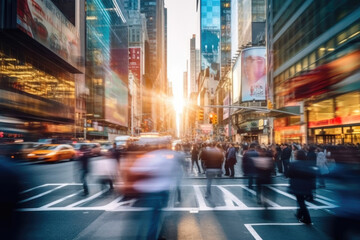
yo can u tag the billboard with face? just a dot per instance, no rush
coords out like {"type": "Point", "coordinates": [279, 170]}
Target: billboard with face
{"type": "Point", "coordinates": [44, 22]}
{"type": "Point", "coordinates": [253, 77]}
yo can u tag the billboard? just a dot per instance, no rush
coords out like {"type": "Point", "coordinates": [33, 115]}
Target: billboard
{"type": "Point", "coordinates": [226, 111]}
{"type": "Point", "coordinates": [44, 22]}
{"type": "Point", "coordinates": [116, 100]}
{"type": "Point", "coordinates": [134, 62]}
{"type": "Point", "coordinates": [253, 74]}
{"type": "Point", "coordinates": [236, 80]}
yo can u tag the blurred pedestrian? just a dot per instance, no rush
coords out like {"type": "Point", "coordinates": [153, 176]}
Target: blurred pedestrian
{"type": "Point", "coordinates": [213, 159]}
{"type": "Point", "coordinates": [115, 152]}
{"type": "Point", "coordinates": [9, 196]}
{"type": "Point", "coordinates": [230, 161]}
{"type": "Point", "coordinates": [321, 163]}
{"type": "Point", "coordinates": [149, 178]}
{"type": "Point", "coordinates": [285, 158]}
{"type": "Point", "coordinates": [248, 165]}
{"type": "Point", "coordinates": [84, 157]}
{"type": "Point", "coordinates": [302, 174]}
{"type": "Point", "coordinates": [264, 166]}
{"type": "Point", "coordinates": [346, 177]}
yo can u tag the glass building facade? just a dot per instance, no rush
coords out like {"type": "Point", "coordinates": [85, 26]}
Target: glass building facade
{"type": "Point", "coordinates": [210, 34]}
{"type": "Point", "coordinates": [311, 43]}
{"type": "Point", "coordinates": [38, 67]}
{"type": "Point", "coordinates": [107, 67]}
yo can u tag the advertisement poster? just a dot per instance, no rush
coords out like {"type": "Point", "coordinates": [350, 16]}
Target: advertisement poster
{"type": "Point", "coordinates": [206, 128]}
{"type": "Point", "coordinates": [134, 62]}
{"type": "Point", "coordinates": [44, 22]}
{"type": "Point", "coordinates": [116, 100]}
{"type": "Point", "coordinates": [226, 110]}
{"type": "Point", "coordinates": [253, 81]}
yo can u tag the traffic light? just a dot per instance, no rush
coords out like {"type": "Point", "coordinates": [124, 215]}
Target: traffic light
{"type": "Point", "coordinates": [269, 104]}
{"type": "Point", "coordinates": [215, 119]}
{"type": "Point", "coordinates": [201, 114]}
{"type": "Point", "coordinates": [211, 118]}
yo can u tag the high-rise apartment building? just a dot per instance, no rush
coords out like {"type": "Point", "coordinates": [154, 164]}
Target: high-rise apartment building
{"type": "Point", "coordinates": [156, 79]}
{"type": "Point", "coordinates": [225, 39]}
{"type": "Point", "coordinates": [131, 4]}
{"type": "Point", "coordinates": [210, 31]}
{"type": "Point", "coordinates": [194, 65]}
{"type": "Point", "coordinates": [247, 24]}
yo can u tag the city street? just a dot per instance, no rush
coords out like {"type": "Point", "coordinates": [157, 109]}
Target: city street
{"type": "Point", "coordinates": [52, 207]}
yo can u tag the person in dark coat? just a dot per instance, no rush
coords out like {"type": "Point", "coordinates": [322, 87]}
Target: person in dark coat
{"type": "Point", "coordinates": [84, 156]}
{"type": "Point", "coordinates": [194, 157]}
{"type": "Point", "coordinates": [302, 174]}
{"type": "Point", "coordinates": [248, 165]}
{"type": "Point", "coordinates": [9, 196]}
{"type": "Point", "coordinates": [115, 152]}
{"type": "Point", "coordinates": [213, 159]}
{"type": "Point", "coordinates": [285, 158]}
{"type": "Point", "coordinates": [230, 161]}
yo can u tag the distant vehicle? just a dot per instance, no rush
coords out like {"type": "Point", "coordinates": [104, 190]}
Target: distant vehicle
{"type": "Point", "coordinates": [46, 140]}
{"type": "Point", "coordinates": [94, 147]}
{"type": "Point", "coordinates": [105, 146]}
{"type": "Point", "coordinates": [123, 142]}
{"type": "Point", "coordinates": [53, 153]}
{"type": "Point", "coordinates": [20, 150]}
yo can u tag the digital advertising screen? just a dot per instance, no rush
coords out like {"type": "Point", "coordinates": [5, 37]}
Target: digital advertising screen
{"type": "Point", "coordinates": [44, 22]}
{"type": "Point", "coordinates": [236, 80]}
{"type": "Point", "coordinates": [116, 100]}
{"type": "Point", "coordinates": [253, 74]}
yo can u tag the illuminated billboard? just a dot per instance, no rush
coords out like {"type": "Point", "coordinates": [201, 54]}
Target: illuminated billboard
{"type": "Point", "coordinates": [44, 22]}
{"type": "Point", "coordinates": [236, 80]}
{"type": "Point", "coordinates": [116, 100]}
{"type": "Point", "coordinates": [253, 74]}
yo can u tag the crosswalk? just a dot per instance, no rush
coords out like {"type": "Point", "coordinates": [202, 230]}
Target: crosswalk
{"type": "Point", "coordinates": [234, 197]}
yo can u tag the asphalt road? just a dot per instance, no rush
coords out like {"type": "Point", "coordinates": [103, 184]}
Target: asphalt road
{"type": "Point", "coordinates": [52, 207]}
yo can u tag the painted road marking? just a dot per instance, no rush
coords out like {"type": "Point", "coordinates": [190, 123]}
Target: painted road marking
{"type": "Point", "coordinates": [87, 199]}
{"type": "Point", "coordinates": [31, 189]}
{"type": "Point", "coordinates": [60, 200]}
{"type": "Point", "coordinates": [230, 198]}
{"type": "Point", "coordinates": [42, 194]}
{"type": "Point", "coordinates": [290, 196]}
{"type": "Point", "coordinates": [232, 202]}
{"type": "Point", "coordinates": [271, 203]}
{"type": "Point", "coordinates": [257, 236]}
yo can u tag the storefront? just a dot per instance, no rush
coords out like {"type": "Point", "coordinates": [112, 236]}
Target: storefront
{"type": "Point", "coordinates": [335, 120]}
{"type": "Point", "coordinates": [40, 53]}
{"type": "Point", "coordinates": [288, 130]}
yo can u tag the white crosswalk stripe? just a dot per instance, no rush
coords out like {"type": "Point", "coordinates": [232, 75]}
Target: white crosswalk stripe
{"type": "Point", "coordinates": [230, 200]}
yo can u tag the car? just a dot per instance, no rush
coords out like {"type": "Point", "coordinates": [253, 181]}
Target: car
{"type": "Point", "coordinates": [20, 150]}
{"type": "Point", "coordinates": [105, 146]}
{"type": "Point", "coordinates": [95, 148]}
{"type": "Point", "coordinates": [53, 153]}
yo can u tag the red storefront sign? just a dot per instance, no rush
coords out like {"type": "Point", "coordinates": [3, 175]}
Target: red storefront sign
{"type": "Point", "coordinates": [134, 62]}
{"type": "Point", "coordinates": [335, 121]}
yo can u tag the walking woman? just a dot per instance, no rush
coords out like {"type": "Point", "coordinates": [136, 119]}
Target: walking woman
{"type": "Point", "coordinates": [302, 174]}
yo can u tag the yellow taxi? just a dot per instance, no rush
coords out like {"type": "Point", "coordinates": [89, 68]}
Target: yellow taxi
{"type": "Point", "coordinates": [53, 152]}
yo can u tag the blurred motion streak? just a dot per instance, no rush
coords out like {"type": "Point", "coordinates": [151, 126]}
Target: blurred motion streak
{"type": "Point", "coordinates": [321, 79]}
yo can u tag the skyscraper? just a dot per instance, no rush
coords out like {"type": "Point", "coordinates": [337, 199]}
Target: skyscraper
{"type": "Point", "coordinates": [156, 79]}
{"type": "Point", "coordinates": [194, 64]}
{"type": "Point", "coordinates": [210, 31]}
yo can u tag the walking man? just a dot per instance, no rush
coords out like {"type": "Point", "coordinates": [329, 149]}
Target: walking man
{"type": "Point", "coordinates": [213, 159]}
{"type": "Point", "coordinates": [230, 161]}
